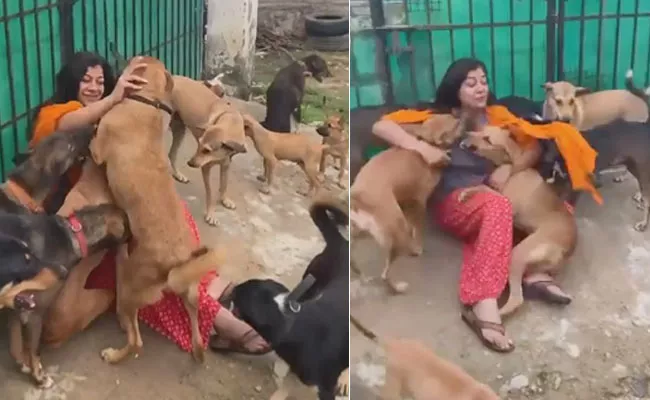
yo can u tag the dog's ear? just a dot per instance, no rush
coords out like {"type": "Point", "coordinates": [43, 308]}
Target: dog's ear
{"type": "Point", "coordinates": [169, 84]}
{"type": "Point", "coordinates": [548, 86]}
{"type": "Point", "coordinates": [581, 91]}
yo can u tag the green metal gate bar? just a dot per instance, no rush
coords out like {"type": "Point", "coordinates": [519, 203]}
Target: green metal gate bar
{"type": "Point", "coordinates": [400, 58]}
{"type": "Point", "coordinates": [36, 36]}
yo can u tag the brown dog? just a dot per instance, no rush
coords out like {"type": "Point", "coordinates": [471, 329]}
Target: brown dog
{"type": "Point", "coordinates": [538, 211]}
{"type": "Point", "coordinates": [389, 195]}
{"type": "Point", "coordinates": [413, 369]}
{"type": "Point", "coordinates": [274, 146]}
{"type": "Point", "coordinates": [219, 131]}
{"type": "Point", "coordinates": [129, 143]}
{"type": "Point", "coordinates": [585, 110]}
{"type": "Point", "coordinates": [334, 135]}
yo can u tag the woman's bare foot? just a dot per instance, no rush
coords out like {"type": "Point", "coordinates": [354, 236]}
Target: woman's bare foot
{"type": "Point", "coordinates": [487, 311]}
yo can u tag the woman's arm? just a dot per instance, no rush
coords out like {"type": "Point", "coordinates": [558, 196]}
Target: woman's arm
{"type": "Point", "coordinates": [86, 115]}
{"type": "Point", "coordinates": [395, 135]}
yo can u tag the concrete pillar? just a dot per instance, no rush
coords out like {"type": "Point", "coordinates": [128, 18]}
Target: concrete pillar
{"type": "Point", "coordinates": [230, 43]}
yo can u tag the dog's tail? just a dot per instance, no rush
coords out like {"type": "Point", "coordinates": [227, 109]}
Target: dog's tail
{"type": "Point", "coordinates": [638, 92]}
{"type": "Point", "coordinates": [364, 331]}
{"type": "Point", "coordinates": [202, 261]}
{"type": "Point", "coordinates": [328, 214]}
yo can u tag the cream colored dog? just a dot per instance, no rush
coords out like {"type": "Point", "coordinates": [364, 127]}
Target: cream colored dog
{"type": "Point", "coordinates": [414, 370]}
{"type": "Point", "coordinates": [585, 110]}
{"type": "Point", "coordinates": [219, 131]}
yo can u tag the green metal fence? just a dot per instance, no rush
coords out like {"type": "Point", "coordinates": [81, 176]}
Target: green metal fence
{"type": "Point", "coordinates": [37, 36]}
{"type": "Point", "coordinates": [401, 54]}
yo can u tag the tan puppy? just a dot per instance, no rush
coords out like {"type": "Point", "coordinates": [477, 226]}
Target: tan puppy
{"type": "Point", "coordinates": [219, 131]}
{"type": "Point", "coordinates": [333, 134]}
{"type": "Point", "coordinates": [129, 143]}
{"type": "Point", "coordinates": [389, 195]}
{"type": "Point", "coordinates": [537, 209]}
{"type": "Point", "coordinates": [585, 110]}
{"type": "Point", "coordinates": [274, 146]}
{"type": "Point", "coordinates": [414, 370]}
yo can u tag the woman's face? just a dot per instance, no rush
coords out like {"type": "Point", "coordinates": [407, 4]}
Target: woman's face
{"type": "Point", "coordinates": [474, 91]}
{"type": "Point", "coordinates": [91, 87]}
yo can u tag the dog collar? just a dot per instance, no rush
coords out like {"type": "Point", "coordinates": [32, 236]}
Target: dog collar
{"type": "Point", "coordinates": [294, 296]}
{"type": "Point", "coordinates": [78, 232]}
{"type": "Point", "coordinates": [154, 103]}
{"type": "Point", "coordinates": [21, 195]}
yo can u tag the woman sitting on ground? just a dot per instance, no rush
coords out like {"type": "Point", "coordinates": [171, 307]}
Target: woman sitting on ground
{"type": "Point", "coordinates": [86, 89]}
{"type": "Point", "coordinates": [485, 221]}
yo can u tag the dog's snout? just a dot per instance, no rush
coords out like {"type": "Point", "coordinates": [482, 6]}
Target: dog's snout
{"type": "Point", "coordinates": [192, 163]}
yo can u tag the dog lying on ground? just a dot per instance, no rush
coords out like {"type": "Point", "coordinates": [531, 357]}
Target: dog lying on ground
{"type": "Point", "coordinates": [163, 255]}
{"type": "Point", "coordinates": [284, 95]}
{"type": "Point", "coordinates": [538, 211]}
{"type": "Point", "coordinates": [312, 339]}
{"type": "Point", "coordinates": [53, 241]}
{"type": "Point", "coordinates": [274, 146]}
{"type": "Point", "coordinates": [585, 110]}
{"type": "Point", "coordinates": [389, 195]}
{"type": "Point", "coordinates": [333, 135]}
{"type": "Point", "coordinates": [219, 131]}
{"type": "Point", "coordinates": [413, 369]}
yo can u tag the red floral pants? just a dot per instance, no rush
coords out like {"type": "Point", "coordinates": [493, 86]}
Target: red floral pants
{"type": "Point", "coordinates": [484, 224]}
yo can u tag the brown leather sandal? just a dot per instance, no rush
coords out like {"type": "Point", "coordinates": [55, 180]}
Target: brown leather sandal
{"type": "Point", "coordinates": [477, 325]}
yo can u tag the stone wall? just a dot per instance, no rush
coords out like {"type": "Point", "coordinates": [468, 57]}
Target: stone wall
{"type": "Point", "coordinates": [287, 17]}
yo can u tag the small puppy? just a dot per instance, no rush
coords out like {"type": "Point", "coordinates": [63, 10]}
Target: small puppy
{"type": "Point", "coordinates": [313, 339]}
{"type": "Point", "coordinates": [52, 241]}
{"type": "Point", "coordinates": [274, 146]}
{"type": "Point", "coordinates": [389, 195]}
{"type": "Point", "coordinates": [413, 369]}
{"type": "Point", "coordinates": [333, 135]}
{"type": "Point", "coordinates": [218, 129]}
{"type": "Point", "coordinates": [538, 211]}
{"type": "Point", "coordinates": [584, 110]}
{"type": "Point", "coordinates": [284, 95]}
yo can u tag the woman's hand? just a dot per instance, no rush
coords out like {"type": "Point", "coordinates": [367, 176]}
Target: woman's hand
{"type": "Point", "coordinates": [128, 82]}
{"type": "Point", "coordinates": [500, 176]}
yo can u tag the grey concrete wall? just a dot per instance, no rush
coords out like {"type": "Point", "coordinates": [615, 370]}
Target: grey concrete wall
{"type": "Point", "coordinates": [287, 17]}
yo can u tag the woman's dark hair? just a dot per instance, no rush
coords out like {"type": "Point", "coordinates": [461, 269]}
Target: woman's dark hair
{"type": "Point", "coordinates": [70, 76]}
{"type": "Point", "coordinates": [447, 93]}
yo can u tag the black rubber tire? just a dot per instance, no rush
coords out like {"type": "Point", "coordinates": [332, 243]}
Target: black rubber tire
{"type": "Point", "coordinates": [330, 43]}
{"type": "Point", "coordinates": [326, 25]}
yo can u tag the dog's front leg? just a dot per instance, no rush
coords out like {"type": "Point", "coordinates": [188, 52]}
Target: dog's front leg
{"type": "Point", "coordinates": [267, 179]}
{"type": "Point", "coordinates": [33, 330]}
{"type": "Point", "coordinates": [416, 216]}
{"type": "Point", "coordinates": [343, 163]}
{"type": "Point", "coordinates": [178, 134]}
{"type": "Point", "coordinates": [223, 185]}
{"type": "Point", "coordinates": [134, 339]}
{"type": "Point", "coordinates": [16, 343]}
{"type": "Point", "coordinates": [210, 215]}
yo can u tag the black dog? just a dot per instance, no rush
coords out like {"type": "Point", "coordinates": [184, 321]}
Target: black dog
{"type": "Point", "coordinates": [31, 181]}
{"type": "Point", "coordinates": [49, 241]}
{"type": "Point", "coordinates": [284, 95]}
{"type": "Point", "coordinates": [312, 339]}
{"type": "Point", "coordinates": [334, 260]}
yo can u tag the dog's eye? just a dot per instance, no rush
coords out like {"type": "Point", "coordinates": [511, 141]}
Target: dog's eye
{"type": "Point", "coordinates": [558, 101]}
{"type": "Point", "coordinates": [205, 150]}
{"type": "Point", "coordinates": [571, 102]}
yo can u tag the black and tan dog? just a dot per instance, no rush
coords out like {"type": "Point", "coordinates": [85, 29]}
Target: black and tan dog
{"type": "Point", "coordinates": [51, 241]}
{"type": "Point", "coordinates": [284, 95]}
{"type": "Point", "coordinates": [30, 182]}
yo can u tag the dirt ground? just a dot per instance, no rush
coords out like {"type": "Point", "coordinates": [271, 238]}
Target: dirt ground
{"type": "Point", "coordinates": [267, 235]}
{"type": "Point", "coordinates": [595, 348]}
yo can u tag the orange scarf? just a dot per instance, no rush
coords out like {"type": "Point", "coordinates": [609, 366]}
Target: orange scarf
{"type": "Point", "coordinates": [579, 156]}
